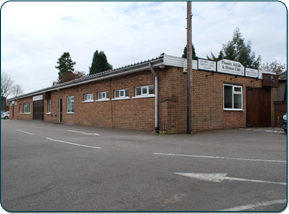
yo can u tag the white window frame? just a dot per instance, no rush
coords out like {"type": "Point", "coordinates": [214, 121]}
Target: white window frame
{"type": "Point", "coordinates": [88, 98]}
{"type": "Point", "coordinates": [48, 106]}
{"type": "Point", "coordinates": [124, 96]}
{"type": "Point", "coordinates": [102, 96]}
{"type": "Point", "coordinates": [233, 93]}
{"type": "Point", "coordinates": [69, 105]}
{"type": "Point", "coordinates": [20, 108]}
{"type": "Point", "coordinates": [27, 108]}
{"type": "Point", "coordinates": [143, 94]}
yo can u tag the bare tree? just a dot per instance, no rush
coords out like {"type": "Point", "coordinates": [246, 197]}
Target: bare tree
{"type": "Point", "coordinates": [6, 84]}
{"type": "Point", "coordinates": [17, 90]}
{"type": "Point", "coordinates": [275, 67]}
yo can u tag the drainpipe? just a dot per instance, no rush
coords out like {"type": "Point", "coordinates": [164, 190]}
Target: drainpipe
{"type": "Point", "coordinates": [156, 97]}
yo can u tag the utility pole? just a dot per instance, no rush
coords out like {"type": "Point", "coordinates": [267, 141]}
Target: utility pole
{"type": "Point", "coordinates": [189, 70]}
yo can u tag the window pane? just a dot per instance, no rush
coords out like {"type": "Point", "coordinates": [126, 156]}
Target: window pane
{"type": "Point", "coordinates": [151, 89]}
{"type": "Point", "coordinates": [238, 89]}
{"type": "Point", "coordinates": [107, 95]}
{"type": "Point", "coordinates": [68, 109]}
{"type": "Point", "coordinates": [237, 101]}
{"type": "Point", "coordinates": [138, 91]}
{"type": "Point", "coordinates": [103, 95]}
{"type": "Point", "coordinates": [91, 96]}
{"type": "Point", "coordinates": [228, 96]}
{"type": "Point", "coordinates": [99, 95]}
{"type": "Point", "coordinates": [117, 93]}
{"type": "Point", "coordinates": [49, 105]}
{"type": "Point", "coordinates": [126, 92]}
{"type": "Point", "coordinates": [69, 104]}
{"type": "Point", "coordinates": [144, 90]}
{"type": "Point", "coordinates": [121, 93]}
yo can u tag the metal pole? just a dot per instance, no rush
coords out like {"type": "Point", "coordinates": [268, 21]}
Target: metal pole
{"type": "Point", "coordinates": [156, 97]}
{"type": "Point", "coordinates": [189, 70]}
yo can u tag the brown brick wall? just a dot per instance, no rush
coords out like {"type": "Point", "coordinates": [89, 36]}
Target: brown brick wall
{"type": "Point", "coordinates": [55, 96]}
{"type": "Point", "coordinates": [172, 100]}
{"type": "Point", "coordinates": [280, 110]}
{"type": "Point", "coordinates": [52, 117]}
{"type": "Point", "coordinates": [139, 114]}
{"type": "Point", "coordinates": [22, 116]}
{"type": "Point", "coordinates": [273, 98]}
{"type": "Point", "coordinates": [280, 91]}
{"type": "Point", "coordinates": [208, 110]}
{"type": "Point", "coordinates": [135, 114]}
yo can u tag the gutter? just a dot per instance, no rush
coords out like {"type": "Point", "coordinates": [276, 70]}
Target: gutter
{"type": "Point", "coordinates": [156, 98]}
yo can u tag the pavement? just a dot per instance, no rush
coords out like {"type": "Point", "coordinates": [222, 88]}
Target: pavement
{"type": "Point", "coordinates": [56, 167]}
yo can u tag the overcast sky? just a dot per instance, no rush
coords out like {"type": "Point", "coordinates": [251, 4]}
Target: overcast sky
{"type": "Point", "coordinates": [35, 34]}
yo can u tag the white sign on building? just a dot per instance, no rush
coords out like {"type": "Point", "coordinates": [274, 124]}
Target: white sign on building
{"type": "Point", "coordinates": [231, 67]}
{"type": "Point", "coordinates": [38, 97]}
{"type": "Point", "coordinates": [252, 72]}
{"type": "Point", "coordinates": [206, 65]}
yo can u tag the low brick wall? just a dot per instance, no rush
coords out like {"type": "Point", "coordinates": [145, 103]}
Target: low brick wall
{"type": "Point", "coordinates": [280, 109]}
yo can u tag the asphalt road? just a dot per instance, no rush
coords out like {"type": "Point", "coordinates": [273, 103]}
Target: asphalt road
{"type": "Point", "coordinates": [55, 167]}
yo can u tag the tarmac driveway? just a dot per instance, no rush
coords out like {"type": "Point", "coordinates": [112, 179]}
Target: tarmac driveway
{"type": "Point", "coordinates": [55, 167]}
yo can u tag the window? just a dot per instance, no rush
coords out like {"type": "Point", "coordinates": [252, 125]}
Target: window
{"type": "Point", "coordinates": [233, 97]}
{"type": "Point", "coordinates": [49, 106]}
{"type": "Point", "coordinates": [27, 109]}
{"type": "Point", "coordinates": [70, 104]}
{"type": "Point", "coordinates": [20, 108]}
{"type": "Point", "coordinates": [103, 95]}
{"type": "Point", "coordinates": [121, 94]}
{"type": "Point", "coordinates": [88, 98]}
{"type": "Point", "coordinates": [144, 91]}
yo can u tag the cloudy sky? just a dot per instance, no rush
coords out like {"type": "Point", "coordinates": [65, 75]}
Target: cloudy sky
{"type": "Point", "coordinates": [35, 34]}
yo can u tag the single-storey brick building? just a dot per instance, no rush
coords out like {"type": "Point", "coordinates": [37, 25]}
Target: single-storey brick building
{"type": "Point", "coordinates": [152, 95]}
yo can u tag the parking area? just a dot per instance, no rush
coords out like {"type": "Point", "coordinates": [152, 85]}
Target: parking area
{"type": "Point", "coordinates": [55, 167]}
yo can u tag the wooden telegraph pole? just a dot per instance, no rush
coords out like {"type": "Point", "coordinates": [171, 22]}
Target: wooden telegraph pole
{"type": "Point", "coordinates": [189, 70]}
